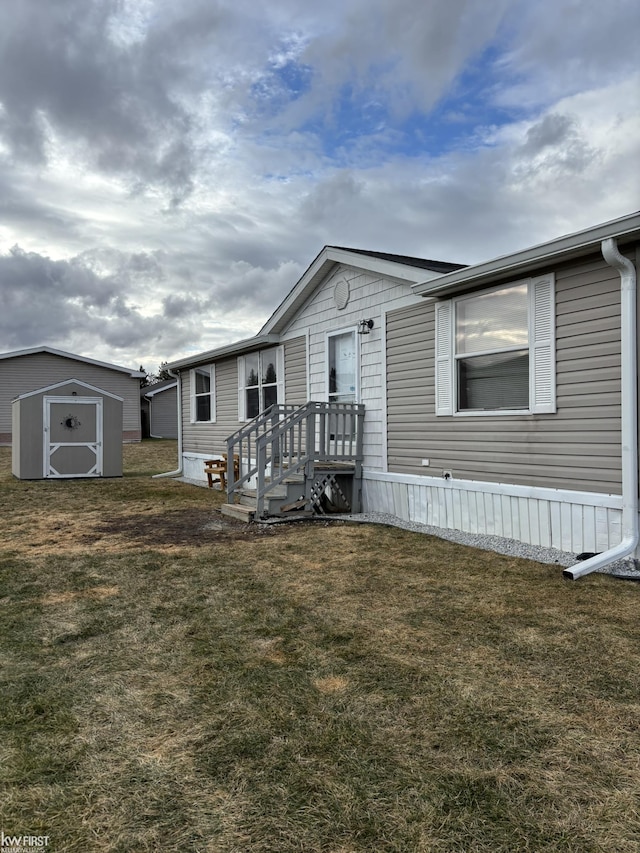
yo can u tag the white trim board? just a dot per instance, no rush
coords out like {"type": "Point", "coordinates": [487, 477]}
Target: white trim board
{"type": "Point", "coordinates": [535, 492]}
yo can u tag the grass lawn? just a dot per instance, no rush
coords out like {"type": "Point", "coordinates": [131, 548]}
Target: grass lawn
{"type": "Point", "coordinates": [171, 681]}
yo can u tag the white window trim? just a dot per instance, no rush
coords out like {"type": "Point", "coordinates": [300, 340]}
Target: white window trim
{"type": "Point", "coordinates": [332, 334]}
{"type": "Point", "coordinates": [542, 352]}
{"type": "Point", "coordinates": [280, 383]}
{"type": "Point", "coordinates": [212, 392]}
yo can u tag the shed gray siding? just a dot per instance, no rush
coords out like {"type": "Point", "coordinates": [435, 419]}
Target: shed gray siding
{"type": "Point", "coordinates": [163, 414]}
{"type": "Point", "coordinates": [26, 373]}
{"type": "Point", "coordinates": [577, 448]}
{"type": "Point", "coordinates": [211, 438]}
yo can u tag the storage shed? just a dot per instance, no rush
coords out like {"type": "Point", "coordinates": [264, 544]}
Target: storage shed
{"type": "Point", "coordinates": [70, 429]}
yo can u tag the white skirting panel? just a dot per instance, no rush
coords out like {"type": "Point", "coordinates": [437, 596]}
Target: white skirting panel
{"type": "Point", "coordinates": [554, 518]}
{"type": "Point", "coordinates": [193, 465]}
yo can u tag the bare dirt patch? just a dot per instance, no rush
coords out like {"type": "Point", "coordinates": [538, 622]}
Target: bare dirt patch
{"type": "Point", "coordinates": [181, 527]}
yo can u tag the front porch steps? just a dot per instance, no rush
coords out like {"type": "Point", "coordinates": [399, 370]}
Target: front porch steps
{"type": "Point", "coordinates": [239, 512]}
{"type": "Point", "coordinates": [294, 496]}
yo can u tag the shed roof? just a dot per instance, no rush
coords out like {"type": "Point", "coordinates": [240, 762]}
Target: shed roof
{"type": "Point", "coordinates": [158, 387]}
{"type": "Point", "coordinates": [59, 385]}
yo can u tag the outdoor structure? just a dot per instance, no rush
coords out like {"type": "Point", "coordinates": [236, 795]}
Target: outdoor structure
{"type": "Point", "coordinates": [159, 408]}
{"type": "Point", "coordinates": [23, 371]}
{"type": "Point", "coordinates": [498, 398]}
{"type": "Point", "coordinates": [70, 429]}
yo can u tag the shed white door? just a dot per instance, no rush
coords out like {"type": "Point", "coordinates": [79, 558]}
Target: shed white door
{"type": "Point", "coordinates": [72, 437]}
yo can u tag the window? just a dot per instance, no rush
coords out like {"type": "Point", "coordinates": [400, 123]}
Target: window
{"type": "Point", "coordinates": [495, 350]}
{"type": "Point", "coordinates": [203, 394]}
{"type": "Point", "coordinates": [260, 382]}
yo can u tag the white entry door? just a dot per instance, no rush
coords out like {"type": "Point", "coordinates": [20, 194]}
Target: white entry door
{"type": "Point", "coordinates": [342, 367]}
{"type": "Point", "coordinates": [72, 437]}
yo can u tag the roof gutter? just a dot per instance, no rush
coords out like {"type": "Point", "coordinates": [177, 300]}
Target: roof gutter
{"type": "Point", "coordinates": [178, 470]}
{"type": "Point", "coordinates": [629, 417]}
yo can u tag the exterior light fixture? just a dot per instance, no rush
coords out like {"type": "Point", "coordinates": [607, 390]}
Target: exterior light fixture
{"type": "Point", "coordinates": [365, 326]}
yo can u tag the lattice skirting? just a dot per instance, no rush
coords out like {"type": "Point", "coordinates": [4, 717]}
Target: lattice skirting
{"type": "Point", "coordinates": [327, 496]}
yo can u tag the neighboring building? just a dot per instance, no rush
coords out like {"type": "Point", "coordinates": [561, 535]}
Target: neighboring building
{"type": "Point", "coordinates": [492, 393]}
{"type": "Point", "coordinates": [24, 371]}
{"type": "Point", "coordinates": [159, 403]}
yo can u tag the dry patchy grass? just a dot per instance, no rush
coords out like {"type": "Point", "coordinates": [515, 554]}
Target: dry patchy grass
{"type": "Point", "coordinates": [173, 681]}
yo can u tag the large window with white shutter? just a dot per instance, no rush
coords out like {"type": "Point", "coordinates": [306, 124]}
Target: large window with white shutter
{"type": "Point", "coordinates": [495, 350]}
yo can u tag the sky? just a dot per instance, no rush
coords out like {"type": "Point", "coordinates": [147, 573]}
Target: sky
{"type": "Point", "coordinates": [168, 170]}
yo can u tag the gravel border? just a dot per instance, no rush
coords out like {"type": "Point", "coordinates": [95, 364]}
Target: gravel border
{"type": "Point", "coordinates": [627, 569]}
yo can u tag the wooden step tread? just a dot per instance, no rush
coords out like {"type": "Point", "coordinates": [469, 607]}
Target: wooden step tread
{"type": "Point", "coordinates": [238, 511]}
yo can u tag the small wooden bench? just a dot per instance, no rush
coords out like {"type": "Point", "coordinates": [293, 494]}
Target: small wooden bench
{"type": "Point", "coordinates": [218, 468]}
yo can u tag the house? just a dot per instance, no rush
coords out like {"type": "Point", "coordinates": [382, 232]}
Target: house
{"type": "Point", "coordinates": [159, 409]}
{"type": "Point", "coordinates": [498, 398]}
{"type": "Point", "coordinates": [24, 371]}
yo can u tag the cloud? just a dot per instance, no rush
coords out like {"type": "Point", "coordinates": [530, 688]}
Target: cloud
{"type": "Point", "coordinates": [168, 171]}
{"type": "Point", "coordinates": [64, 81]}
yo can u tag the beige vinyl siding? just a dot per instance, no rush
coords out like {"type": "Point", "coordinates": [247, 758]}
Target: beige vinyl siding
{"type": "Point", "coordinates": [578, 448]}
{"type": "Point", "coordinates": [295, 371]}
{"type": "Point", "coordinates": [26, 373]}
{"type": "Point", "coordinates": [208, 438]}
{"type": "Point", "coordinates": [212, 438]}
{"type": "Point", "coordinates": [370, 295]}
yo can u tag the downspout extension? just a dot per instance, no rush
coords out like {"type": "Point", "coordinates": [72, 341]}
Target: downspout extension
{"type": "Point", "coordinates": [178, 470]}
{"type": "Point", "coordinates": [629, 417]}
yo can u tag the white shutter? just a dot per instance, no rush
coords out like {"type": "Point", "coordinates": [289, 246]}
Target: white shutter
{"type": "Point", "coordinates": [542, 343]}
{"type": "Point", "coordinates": [192, 395]}
{"type": "Point", "coordinates": [242, 410]}
{"type": "Point", "coordinates": [213, 393]}
{"type": "Point", "coordinates": [280, 375]}
{"type": "Point", "coordinates": [444, 358]}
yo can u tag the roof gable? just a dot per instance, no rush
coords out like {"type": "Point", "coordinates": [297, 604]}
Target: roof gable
{"type": "Point", "coordinates": [58, 385]}
{"type": "Point", "coordinates": [396, 267]}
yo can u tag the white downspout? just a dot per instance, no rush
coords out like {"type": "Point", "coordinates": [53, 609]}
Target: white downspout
{"type": "Point", "coordinates": [178, 470]}
{"type": "Point", "coordinates": [629, 417]}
